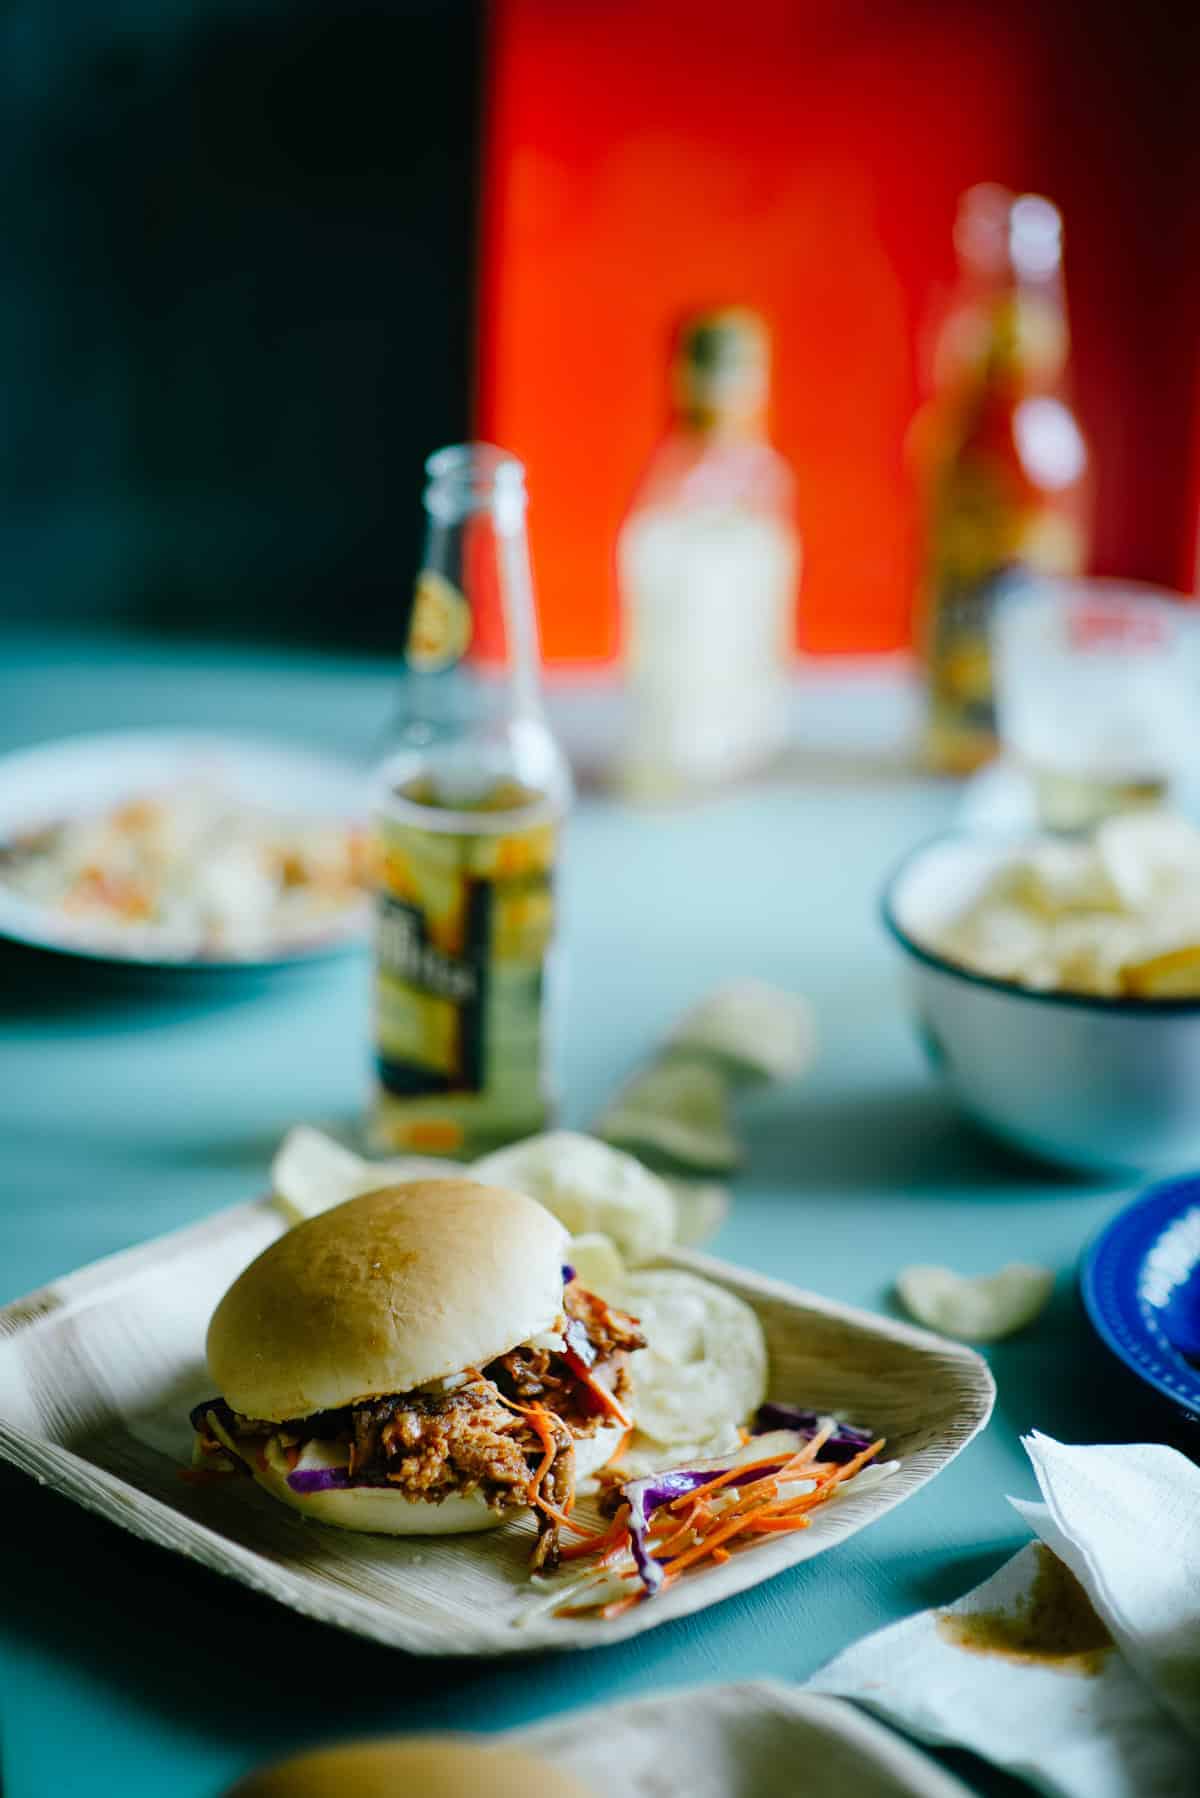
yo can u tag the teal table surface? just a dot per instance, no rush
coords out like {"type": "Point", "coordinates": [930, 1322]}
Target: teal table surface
{"type": "Point", "coordinates": [123, 1116]}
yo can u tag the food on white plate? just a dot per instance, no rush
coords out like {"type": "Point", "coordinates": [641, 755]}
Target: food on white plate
{"type": "Point", "coordinates": [418, 1361]}
{"type": "Point", "coordinates": [418, 1767]}
{"type": "Point", "coordinates": [590, 1187]}
{"type": "Point", "coordinates": [191, 872]}
{"type": "Point", "coordinates": [678, 1111]}
{"type": "Point", "coordinates": [1114, 915]}
{"type": "Point", "coordinates": [699, 1511]}
{"type": "Point", "coordinates": [977, 1308]}
{"type": "Point", "coordinates": [312, 1172]}
{"type": "Point", "coordinates": [756, 1031]}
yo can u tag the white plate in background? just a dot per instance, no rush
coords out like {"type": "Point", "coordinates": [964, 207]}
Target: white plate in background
{"type": "Point", "coordinates": [75, 777]}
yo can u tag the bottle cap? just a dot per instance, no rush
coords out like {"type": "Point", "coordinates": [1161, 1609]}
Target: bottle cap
{"type": "Point", "coordinates": [722, 367]}
{"type": "Point", "coordinates": [474, 477]}
{"type": "Point", "coordinates": [981, 229]}
{"type": "Point", "coordinates": [1035, 237]}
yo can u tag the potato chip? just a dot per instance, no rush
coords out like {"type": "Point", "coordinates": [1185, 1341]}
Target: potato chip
{"type": "Point", "coordinates": [1173, 975]}
{"type": "Point", "coordinates": [598, 1265]}
{"type": "Point", "coordinates": [1056, 877]}
{"type": "Point", "coordinates": [589, 1186]}
{"type": "Point", "coordinates": [701, 1207]}
{"type": "Point", "coordinates": [1143, 851]}
{"type": "Point", "coordinates": [704, 1369]}
{"type": "Point", "coordinates": [311, 1172]}
{"type": "Point", "coordinates": [756, 1031]}
{"type": "Point", "coordinates": [1119, 913]}
{"type": "Point", "coordinates": [978, 1308]}
{"type": "Point", "coordinates": [678, 1110]}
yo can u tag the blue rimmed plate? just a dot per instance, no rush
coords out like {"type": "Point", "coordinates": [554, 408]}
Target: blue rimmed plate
{"type": "Point", "coordinates": [1140, 1282]}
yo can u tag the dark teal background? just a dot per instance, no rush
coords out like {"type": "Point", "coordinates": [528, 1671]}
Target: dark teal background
{"type": "Point", "coordinates": [235, 306]}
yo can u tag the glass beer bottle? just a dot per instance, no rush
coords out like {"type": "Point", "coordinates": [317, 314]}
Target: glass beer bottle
{"type": "Point", "coordinates": [468, 809]}
{"type": "Point", "coordinates": [1002, 460]}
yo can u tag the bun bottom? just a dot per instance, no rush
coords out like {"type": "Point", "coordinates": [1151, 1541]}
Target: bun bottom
{"type": "Point", "coordinates": [378, 1511]}
{"type": "Point", "coordinates": [383, 1511]}
{"type": "Point", "coordinates": [593, 1452]}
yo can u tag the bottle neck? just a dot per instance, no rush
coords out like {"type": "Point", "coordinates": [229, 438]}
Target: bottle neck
{"type": "Point", "coordinates": [722, 424]}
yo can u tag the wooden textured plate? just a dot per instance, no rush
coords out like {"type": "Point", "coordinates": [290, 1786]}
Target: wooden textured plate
{"type": "Point", "coordinates": [98, 1372]}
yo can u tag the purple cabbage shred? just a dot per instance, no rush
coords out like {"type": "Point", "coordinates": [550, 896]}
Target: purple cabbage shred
{"type": "Point", "coordinates": [846, 1441]}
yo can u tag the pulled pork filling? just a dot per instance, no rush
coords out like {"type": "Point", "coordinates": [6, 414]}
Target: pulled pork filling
{"type": "Point", "coordinates": [431, 1445]}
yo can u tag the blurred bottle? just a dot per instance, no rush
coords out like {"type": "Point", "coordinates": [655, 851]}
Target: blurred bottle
{"type": "Point", "coordinates": [707, 563]}
{"type": "Point", "coordinates": [1002, 461]}
{"type": "Point", "coordinates": [467, 814]}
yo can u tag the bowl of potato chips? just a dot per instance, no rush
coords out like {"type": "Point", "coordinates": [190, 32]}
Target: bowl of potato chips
{"type": "Point", "coordinates": [1056, 986]}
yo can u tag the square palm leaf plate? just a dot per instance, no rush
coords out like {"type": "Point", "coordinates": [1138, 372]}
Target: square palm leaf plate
{"type": "Point", "coordinates": [98, 1372]}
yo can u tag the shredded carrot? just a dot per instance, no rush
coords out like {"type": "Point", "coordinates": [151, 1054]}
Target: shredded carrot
{"type": "Point", "coordinates": [687, 1530]}
{"type": "Point", "coordinates": [777, 1526]}
{"type": "Point", "coordinates": [705, 1546]}
{"type": "Point", "coordinates": [619, 1605]}
{"type": "Point", "coordinates": [616, 1536]}
{"type": "Point", "coordinates": [589, 1610]}
{"type": "Point", "coordinates": [696, 1519]}
{"type": "Point", "coordinates": [545, 1436]}
{"type": "Point", "coordinates": [813, 1446]}
{"type": "Point", "coordinates": [608, 1400]}
{"type": "Point", "coordinates": [838, 1477]}
{"type": "Point", "coordinates": [622, 1445]}
{"type": "Point", "coordinates": [736, 1475]}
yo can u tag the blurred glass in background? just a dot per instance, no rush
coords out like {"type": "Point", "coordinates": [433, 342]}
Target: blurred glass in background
{"type": "Point", "coordinates": [1097, 697]}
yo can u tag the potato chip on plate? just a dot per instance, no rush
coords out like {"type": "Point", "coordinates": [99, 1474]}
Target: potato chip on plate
{"type": "Point", "coordinates": [589, 1186]}
{"type": "Point", "coordinates": [311, 1172]}
{"type": "Point", "coordinates": [704, 1370]}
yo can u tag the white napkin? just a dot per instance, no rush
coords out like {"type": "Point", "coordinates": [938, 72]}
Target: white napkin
{"type": "Point", "coordinates": [1123, 1723]}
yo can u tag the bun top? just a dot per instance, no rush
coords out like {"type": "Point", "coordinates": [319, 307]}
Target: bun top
{"type": "Point", "coordinates": [386, 1292]}
{"type": "Point", "coordinates": [444, 1768]}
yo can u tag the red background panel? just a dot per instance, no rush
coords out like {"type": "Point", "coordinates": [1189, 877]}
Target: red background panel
{"type": "Point", "coordinates": [644, 157]}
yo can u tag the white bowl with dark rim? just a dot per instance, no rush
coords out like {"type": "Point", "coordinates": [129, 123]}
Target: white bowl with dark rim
{"type": "Point", "coordinates": [1107, 1084]}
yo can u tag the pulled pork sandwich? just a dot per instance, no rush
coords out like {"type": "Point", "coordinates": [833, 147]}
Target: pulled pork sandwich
{"type": "Point", "coordinates": [418, 1361]}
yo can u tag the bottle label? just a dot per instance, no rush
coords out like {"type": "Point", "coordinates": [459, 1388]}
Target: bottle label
{"type": "Point", "coordinates": [464, 924]}
{"type": "Point", "coordinates": [439, 629]}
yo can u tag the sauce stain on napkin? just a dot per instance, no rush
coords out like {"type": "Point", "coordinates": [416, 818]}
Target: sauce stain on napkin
{"type": "Point", "coordinates": [1053, 1626]}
